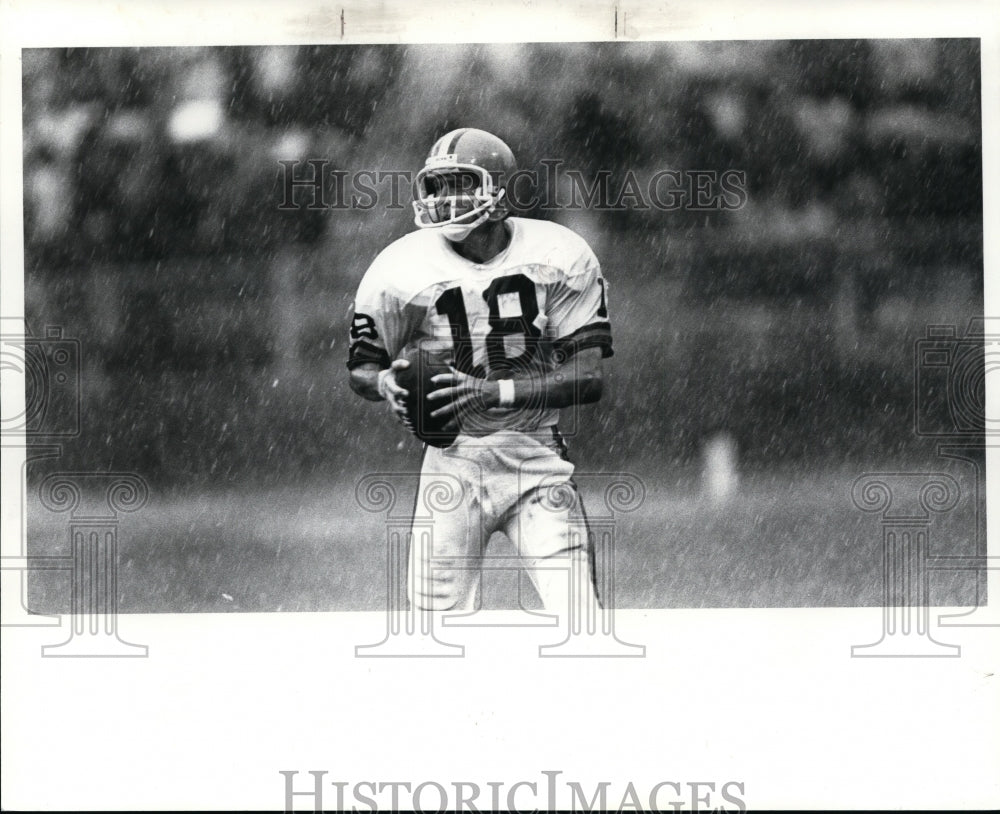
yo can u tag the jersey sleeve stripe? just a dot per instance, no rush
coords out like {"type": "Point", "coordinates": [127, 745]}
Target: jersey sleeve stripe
{"type": "Point", "coordinates": [363, 352]}
{"type": "Point", "coordinates": [594, 335]}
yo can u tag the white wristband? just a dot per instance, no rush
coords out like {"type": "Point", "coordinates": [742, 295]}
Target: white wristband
{"type": "Point", "coordinates": [506, 392]}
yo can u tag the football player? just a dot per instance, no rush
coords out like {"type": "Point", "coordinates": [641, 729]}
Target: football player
{"type": "Point", "coordinates": [518, 308]}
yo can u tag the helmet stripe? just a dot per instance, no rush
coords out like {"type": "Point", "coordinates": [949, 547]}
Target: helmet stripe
{"type": "Point", "coordinates": [437, 148]}
{"type": "Point", "coordinates": [454, 140]}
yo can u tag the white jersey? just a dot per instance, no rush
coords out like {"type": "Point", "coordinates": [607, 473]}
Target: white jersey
{"type": "Point", "coordinates": [529, 309]}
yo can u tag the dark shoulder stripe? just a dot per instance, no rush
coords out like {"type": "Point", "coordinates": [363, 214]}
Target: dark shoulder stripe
{"type": "Point", "coordinates": [363, 352]}
{"type": "Point", "coordinates": [590, 327]}
{"type": "Point", "coordinates": [594, 335]}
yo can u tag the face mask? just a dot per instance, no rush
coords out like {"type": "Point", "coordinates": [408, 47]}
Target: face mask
{"type": "Point", "coordinates": [457, 232]}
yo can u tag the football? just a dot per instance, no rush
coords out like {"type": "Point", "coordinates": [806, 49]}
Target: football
{"type": "Point", "coordinates": [424, 365]}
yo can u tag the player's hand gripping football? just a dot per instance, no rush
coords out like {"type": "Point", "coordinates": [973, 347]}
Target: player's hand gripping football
{"type": "Point", "coordinates": [392, 392]}
{"type": "Point", "coordinates": [457, 392]}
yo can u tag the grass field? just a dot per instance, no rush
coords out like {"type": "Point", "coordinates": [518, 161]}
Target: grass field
{"type": "Point", "coordinates": [782, 541]}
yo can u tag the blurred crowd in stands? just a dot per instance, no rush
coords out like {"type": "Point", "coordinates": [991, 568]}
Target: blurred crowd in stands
{"type": "Point", "coordinates": [153, 184]}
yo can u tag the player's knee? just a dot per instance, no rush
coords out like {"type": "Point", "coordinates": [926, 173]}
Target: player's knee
{"type": "Point", "coordinates": [544, 535]}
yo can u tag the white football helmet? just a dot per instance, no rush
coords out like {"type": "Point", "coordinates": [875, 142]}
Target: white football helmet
{"type": "Point", "coordinates": [461, 184]}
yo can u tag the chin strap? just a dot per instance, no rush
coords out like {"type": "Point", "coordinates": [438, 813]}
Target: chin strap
{"type": "Point", "coordinates": [460, 231]}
